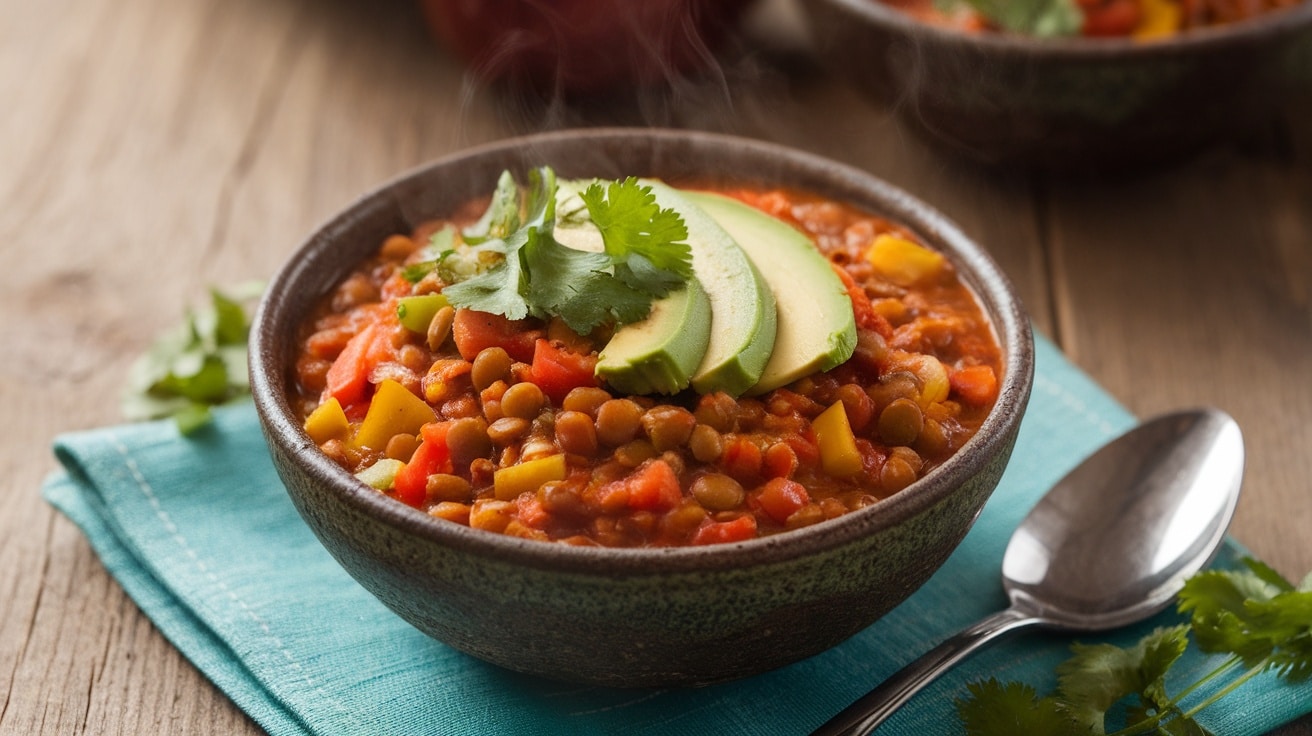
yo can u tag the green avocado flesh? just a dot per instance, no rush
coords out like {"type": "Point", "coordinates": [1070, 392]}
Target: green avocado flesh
{"type": "Point", "coordinates": [816, 327]}
{"type": "Point", "coordinates": [743, 314]}
{"type": "Point", "coordinates": [660, 353]}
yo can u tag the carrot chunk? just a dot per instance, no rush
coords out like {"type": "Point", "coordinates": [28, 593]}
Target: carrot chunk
{"type": "Point", "coordinates": [780, 497]}
{"type": "Point", "coordinates": [976, 384]}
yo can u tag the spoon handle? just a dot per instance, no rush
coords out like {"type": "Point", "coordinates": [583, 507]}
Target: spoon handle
{"type": "Point", "coordinates": [873, 708]}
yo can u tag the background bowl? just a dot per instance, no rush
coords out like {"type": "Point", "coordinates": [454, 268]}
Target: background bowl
{"type": "Point", "coordinates": [630, 617]}
{"type": "Point", "coordinates": [1094, 104]}
{"type": "Point", "coordinates": [582, 47]}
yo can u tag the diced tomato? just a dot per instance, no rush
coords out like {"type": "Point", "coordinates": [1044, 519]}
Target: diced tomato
{"type": "Point", "coordinates": [780, 461]}
{"type": "Point", "coordinates": [558, 371]}
{"type": "Point", "coordinates": [348, 378]}
{"type": "Point", "coordinates": [780, 497]}
{"type": "Point", "coordinates": [612, 498]}
{"type": "Point", "coordinates": [805, 448]}
{"type": "Point", "coordinates": [976, 384]}
{"type": "Point", "coordinates": [531, 512]}
{"type": "Point", "coordinates": [432, 456]}
{"type": "Point", "coordinates": [719, 532]}
{"type": "Point", "coordinates": [872, 458]}
{"type": "Point", "coordinates": [654, 487]}
{"type": "Point", "coordinates": [741, 459]}
{"type": "Point", "coordinates": [474, 331]}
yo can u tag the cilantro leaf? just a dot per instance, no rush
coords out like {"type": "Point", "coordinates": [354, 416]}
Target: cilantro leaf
{"type": "Point", "coordinates": [1222, 617]}
{"type": "Point", "coordinates": [194, 365]}
{"type": "Point", "coordinates": [641, 239]}
{"type": "Point", "coordinates": [1262, 620]}
{"type": "Point", "coordinates": [498, 289]}
{"type": "Point", "coordinates": [439, 243]}
{"type": "Point", "coordinates": [997, 709]}
{"type": "Point", "coordinates": [527, 272]}
{"type": "Point", "coordinates": [501, 217]}
{"type": "Point", "coordinates": [576, 286]}
{"type": "Point", "coordinates": [1266, 574]}
{"type": "Point", "coordinates": [1098, 676]}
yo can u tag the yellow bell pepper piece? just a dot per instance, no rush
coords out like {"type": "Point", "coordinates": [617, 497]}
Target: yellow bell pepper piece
{"type": "Point", "coordinates": [1161, 18]}
{"type": "Point", "coordinates": [394, 410]}
{"type": "Point", "coordinates": [508, 483]}
{"type": "Point", "coordinates": [838, 454]}
{"type": "Point", "coordinates": [328, 422]}
{"type": "Point", "coordinates": [903, 262]}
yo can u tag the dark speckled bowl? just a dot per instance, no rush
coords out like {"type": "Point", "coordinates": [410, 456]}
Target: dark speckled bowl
{"type": "Point", "coordinates": [1071, 104]}
{"type": "Point", "coordinates": [630, 617]}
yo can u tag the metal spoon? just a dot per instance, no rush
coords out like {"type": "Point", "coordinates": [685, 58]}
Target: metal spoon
{"type": "Point", "coordinates": [1110, 544]}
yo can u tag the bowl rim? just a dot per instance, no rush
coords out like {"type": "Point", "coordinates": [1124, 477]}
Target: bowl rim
{"type": "Point", "coordinates": [1250, 31]}
{"type": "Point", "coordinates": [994, 291]}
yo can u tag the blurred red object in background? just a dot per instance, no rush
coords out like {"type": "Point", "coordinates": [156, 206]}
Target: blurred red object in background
{"type": "Point", "coordinates": [582, 46]}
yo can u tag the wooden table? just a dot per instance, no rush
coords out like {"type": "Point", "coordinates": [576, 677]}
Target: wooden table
{"type": "Point", "coordinates": [151, 148]}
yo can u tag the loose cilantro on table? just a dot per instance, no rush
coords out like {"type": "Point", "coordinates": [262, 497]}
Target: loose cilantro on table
{"type": "Point", "coordinates": [1031, 17]}
{"type": "Point", "coordinates": [510, 262]}
{"type": "Point", "coordinates": [195, 365]}
{"type": "Point", "coordinates": [1256, 616]}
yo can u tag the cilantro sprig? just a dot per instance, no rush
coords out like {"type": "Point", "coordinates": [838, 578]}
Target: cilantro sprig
{"type": "Point", "coordinates": [510, 262]}
{"type": "Point", "coordinates": [1260, 619]}
{"type": "Point", "coordinates": [195, 365]}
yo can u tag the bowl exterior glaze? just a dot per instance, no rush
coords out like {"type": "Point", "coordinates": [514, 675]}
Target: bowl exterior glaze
{"type": "Point", "coordinates": [626, 617]}
{"type": "Point", "coordinates": [1083, 104]}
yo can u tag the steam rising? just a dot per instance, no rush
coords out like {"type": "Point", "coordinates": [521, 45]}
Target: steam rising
{"type": "Point", "coordinates": [677, 69]}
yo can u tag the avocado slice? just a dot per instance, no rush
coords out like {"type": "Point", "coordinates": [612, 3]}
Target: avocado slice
{"type": "Point", "coordinates": [743, 313]}
{"type": "Point", "coordinates": [660, 353]}
{"type": "Point", "coordinates": [816, 327]}
{"type": "Point", "coordinates": [739, 312]}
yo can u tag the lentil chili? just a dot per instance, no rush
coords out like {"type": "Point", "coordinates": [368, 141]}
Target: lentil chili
{"type": "Point", "coordinates": [1141, 19]}
{"type": "Point", "coordinates": [503, 426]}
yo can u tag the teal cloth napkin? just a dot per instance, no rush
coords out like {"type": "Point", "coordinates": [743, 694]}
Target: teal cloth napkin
{"type": "Point", "coordinates": [201, 534]}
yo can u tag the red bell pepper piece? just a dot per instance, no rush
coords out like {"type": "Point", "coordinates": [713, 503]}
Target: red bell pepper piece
{"type": "Point", "coordinates": [474, 331]}
{"type": "Point", "coordinates": [432, 456]}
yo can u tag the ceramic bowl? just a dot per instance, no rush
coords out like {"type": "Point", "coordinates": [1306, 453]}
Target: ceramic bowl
{"type": "Point", "coordinates": [1077, 104]}
{"type": "Point", "coordinates": [630, 617]}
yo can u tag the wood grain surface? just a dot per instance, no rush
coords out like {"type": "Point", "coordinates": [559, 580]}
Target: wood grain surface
{"type": "Point", "coordinates": [150, 148]}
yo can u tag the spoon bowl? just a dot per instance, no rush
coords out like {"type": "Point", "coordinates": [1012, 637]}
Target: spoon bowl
{"type": "Point", "coordinates": [1109, 545]}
